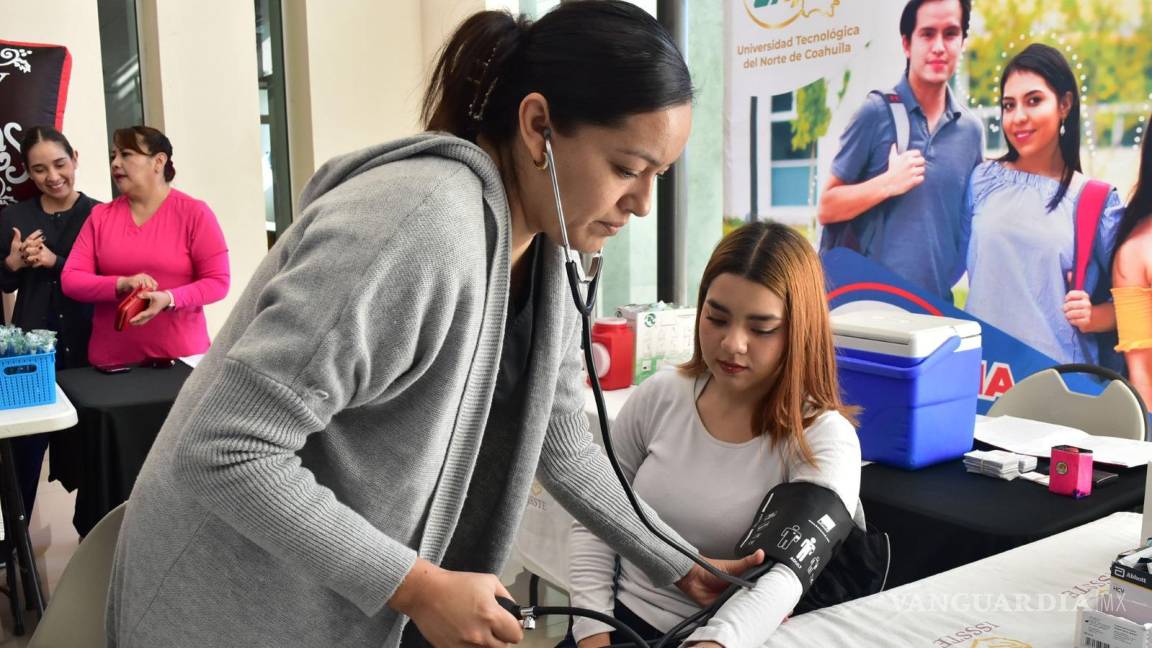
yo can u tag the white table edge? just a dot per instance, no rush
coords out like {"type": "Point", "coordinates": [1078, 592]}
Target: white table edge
{"type": "Point", "coordinates": [23, 421]}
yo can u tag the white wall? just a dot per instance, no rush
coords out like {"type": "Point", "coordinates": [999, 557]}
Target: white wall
{"type": "Point", "coordinates": [200, 89]}
{"type": "Point", "coordinates": [356, 75]}
{"type": "Point", "coordinates": [75, 25]}
{"type": "Point", "coordinates": [365, 70]}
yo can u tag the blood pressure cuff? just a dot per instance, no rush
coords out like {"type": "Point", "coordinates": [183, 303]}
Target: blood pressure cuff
{"type": "Point", "coordinates": [846, 562]}
{"type": "Point", "coordinates": [33, 92]}
{"type": "Point", "coordinates": [859, 568]}
{"type": "Point", "coordinates": [799, 525]}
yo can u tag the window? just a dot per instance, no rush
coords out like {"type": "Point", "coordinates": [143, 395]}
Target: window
{"type": "Point", "coordinates": [120, 57]}
{"type": "Point", "coordinates": [273, 118]}
{"type": "Point", "coordinates": [792, 169]}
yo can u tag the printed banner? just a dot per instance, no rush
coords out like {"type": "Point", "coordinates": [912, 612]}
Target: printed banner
{"type": "Point", "coordinates": [33, 92]}
{"type": "Point", "coordinates": [855, 283]}
{"type": "Point", "coordinates": [787, 64]}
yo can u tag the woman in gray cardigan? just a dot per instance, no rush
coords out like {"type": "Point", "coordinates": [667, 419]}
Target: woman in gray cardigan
{"type": "Point", "coordinates": [357, 448]}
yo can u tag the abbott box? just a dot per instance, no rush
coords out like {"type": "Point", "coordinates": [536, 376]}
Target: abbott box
{"type": "Point", "coordinates": [663, 336]}
{"type": "Point", "coordinates": [1099, 624]}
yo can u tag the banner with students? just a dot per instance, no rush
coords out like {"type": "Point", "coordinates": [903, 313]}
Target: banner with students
{"type": "Point", "coordinates": [969, 221]}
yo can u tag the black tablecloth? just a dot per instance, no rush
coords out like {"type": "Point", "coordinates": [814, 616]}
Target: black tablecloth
{"type": "Point", "coordinates": [943, 517]}
{"type": "Point", "coordinates": [119, 417]}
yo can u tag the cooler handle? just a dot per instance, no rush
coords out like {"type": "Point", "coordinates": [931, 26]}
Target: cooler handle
{"type": "Point", "coordinates": [950, 345]}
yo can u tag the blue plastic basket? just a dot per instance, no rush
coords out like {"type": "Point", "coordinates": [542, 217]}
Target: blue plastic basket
{"type": "Point", "coordinates": [27, 380]}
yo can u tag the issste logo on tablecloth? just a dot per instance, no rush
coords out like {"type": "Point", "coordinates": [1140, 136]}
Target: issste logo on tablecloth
{"type": "Point", "coordinates": [999, 642]}
{"type": "Point", "coordinates": [774, 14]}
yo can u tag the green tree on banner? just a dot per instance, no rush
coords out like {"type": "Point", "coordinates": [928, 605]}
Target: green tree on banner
{"type": "Point", "coordinates": [1106, 42]}
{"type": "Point", "coordinates": [812, 119]}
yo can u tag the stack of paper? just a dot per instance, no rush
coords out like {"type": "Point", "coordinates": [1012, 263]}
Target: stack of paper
{"type": "Point", "coordinates": [998, 463]}
{"type": "Point", "coordinates": [1035, 438]}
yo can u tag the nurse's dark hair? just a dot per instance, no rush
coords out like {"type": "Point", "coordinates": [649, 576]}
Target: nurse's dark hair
{"type": "Point", "coordinates": [1049, 64]}
{"type": "Point", "coordinates": [595, 61]}
{"type": "Point", "coordinates": [37, 134]}
{"type": "Point", "coordinates": [805, 384]}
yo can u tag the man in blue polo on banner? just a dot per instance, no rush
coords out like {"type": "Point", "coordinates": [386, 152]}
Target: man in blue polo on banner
{"type": "Point", "coordinates": [897, 187]}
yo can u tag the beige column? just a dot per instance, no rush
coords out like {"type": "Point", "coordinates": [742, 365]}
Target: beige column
{"type": "Point", "coordinates": [200, 88]}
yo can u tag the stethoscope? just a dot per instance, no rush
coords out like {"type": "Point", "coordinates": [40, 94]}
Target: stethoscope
{"type": "Point", "coordinates": [582, 270]}
{"type": "Point", "coordinates": [583, 273]}
{"type": "Point", "coordinates": [583, 277]}
{"type": "Point", "coordinates": [586, 274]}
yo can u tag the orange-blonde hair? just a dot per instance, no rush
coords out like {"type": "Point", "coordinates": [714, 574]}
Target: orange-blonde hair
{"type": "Point", "coordinates": [780, 259]}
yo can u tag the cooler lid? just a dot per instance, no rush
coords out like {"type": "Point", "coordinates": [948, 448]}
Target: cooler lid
{"type": "Point", "coordinates": [905, 334]}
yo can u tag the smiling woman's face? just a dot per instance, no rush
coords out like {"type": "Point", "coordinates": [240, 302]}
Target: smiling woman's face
{"type": "Point", "coordinates": [1031, 114]}
{"type": "Point", "coordinates": [52, 170]}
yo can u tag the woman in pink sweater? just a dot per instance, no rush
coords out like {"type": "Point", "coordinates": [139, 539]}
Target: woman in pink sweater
{"type": "Point", "coordinates": [152, 236]}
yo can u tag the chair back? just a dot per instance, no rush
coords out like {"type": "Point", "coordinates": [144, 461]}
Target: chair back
{"type": "Point", "coordinates": [75, 614]}
{"type": "Point", "coordinates": [1118, 411]}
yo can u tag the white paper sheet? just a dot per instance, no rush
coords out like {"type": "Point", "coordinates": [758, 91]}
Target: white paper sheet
{"type": "Point", "coordinates": [192, 360]}
{"type": "Point", "coordinates": [1036, 438]}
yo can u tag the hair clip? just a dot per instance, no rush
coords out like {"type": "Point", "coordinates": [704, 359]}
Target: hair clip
{"type": "Point", "coordinates": [477, 113]}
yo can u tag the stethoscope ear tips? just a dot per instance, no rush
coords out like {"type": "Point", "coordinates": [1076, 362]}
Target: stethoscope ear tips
{"type": "Point", "coordinates": [547, 133]}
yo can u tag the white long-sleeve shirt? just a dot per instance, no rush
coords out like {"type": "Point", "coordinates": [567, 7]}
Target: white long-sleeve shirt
{"type": "Point", "coordinates": [708, 491]}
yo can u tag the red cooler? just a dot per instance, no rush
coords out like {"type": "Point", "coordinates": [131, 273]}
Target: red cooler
{"type": "Point", "coordinates": [612, 350]}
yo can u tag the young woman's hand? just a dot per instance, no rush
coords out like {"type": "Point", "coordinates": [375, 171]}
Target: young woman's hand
{"type": "Point", "coordinates": [704, 644]}
{"type": "Point", "coordinates": [1086, 316]}
{"type": "Point", "coordinates": [598, 640]}
{"type": "Point", "coordinates": [1078, 309]}
{"type": "Point", "coordinates": [702, 587]}
{"type": "Point", "coordinates": [37, 255]}
{"type": "Point", "coordinates": [454, 609]}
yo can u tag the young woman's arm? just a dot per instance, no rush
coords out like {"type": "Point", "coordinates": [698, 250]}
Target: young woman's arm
{"type": "Point", "coordinates": [1078, 307]}
{"type": "Point", "coordinates": [751, 616]}
{"type": "Point", "coordinates": [1133, 269]}
{"type": "Point", "coordinates": [591, 562]}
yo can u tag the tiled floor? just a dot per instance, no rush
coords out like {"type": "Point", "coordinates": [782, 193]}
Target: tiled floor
{"type": "Point", "coordinates": [53, 541]}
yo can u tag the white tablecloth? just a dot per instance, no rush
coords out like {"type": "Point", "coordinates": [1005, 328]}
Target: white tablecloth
{"type": "Point", "coordinates": [1018, 599]}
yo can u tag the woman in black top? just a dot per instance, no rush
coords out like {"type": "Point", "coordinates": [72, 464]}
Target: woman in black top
{"type": "Point", "coordinates": [40, 232]}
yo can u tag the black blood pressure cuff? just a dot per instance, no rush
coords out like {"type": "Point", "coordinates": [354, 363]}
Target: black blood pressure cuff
{"type": "Point", "coordinates": [801, 526]}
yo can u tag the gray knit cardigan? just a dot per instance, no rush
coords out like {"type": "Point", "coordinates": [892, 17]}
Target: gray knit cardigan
{"type": "Point", "coordinates": [329, 436]}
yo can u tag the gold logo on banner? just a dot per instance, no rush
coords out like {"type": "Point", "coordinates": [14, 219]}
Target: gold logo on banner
{"type": "Point", "coordinates": [998, 642]}
{"type": "Point", "coordinates": [775, 14]}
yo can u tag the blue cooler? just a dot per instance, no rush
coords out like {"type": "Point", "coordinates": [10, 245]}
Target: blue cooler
{"type": "Point", "coordinates": [916, 378]}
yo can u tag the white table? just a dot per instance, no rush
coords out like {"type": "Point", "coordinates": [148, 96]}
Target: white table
{"type": "Point", "coordinates": [1016, 599]}
{"type": "Point", "coordinates": [19, 422]}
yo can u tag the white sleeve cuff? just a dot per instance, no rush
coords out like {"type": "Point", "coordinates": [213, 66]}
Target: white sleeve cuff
{"type": "Point", "coordinates": [583, 627]}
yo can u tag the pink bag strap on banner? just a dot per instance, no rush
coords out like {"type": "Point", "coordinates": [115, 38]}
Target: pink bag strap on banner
{"type": "Point", "coordinates": [1089, 208]}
